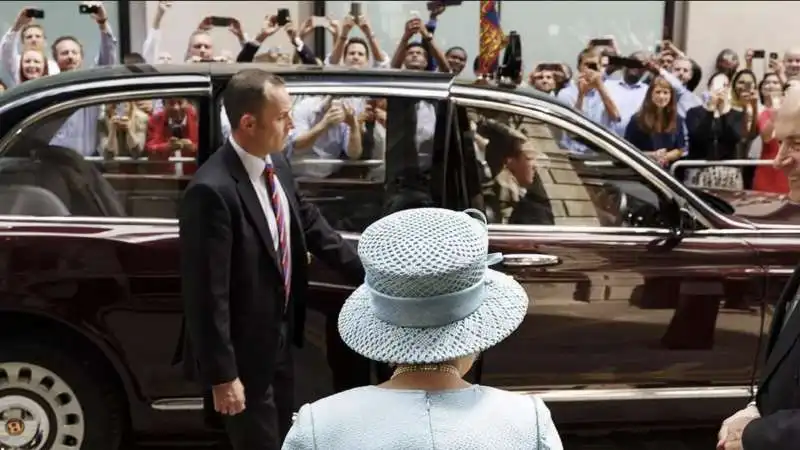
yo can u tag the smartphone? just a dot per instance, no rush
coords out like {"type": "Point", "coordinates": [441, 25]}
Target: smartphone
{"type": "Point", "coordinates": [629, 63]}
{"type": "Point", "coordinates": [87, 9]}
{"type": "Point", "coordinates": [445, 3]}
{"type": "Point", "coordinates": [221, 21]}
{"type": "Point", "coordinates": [283, 17]}
{"type": "Point", "coordinates": [601, 42]}
{"type": "Point", "coordinates": [34, 13]}
{"type": "Point", "coordinates": [773, 55]}
{"type": "Point", "coordinates": [593, 66]}
{"type": "Point", "coordinates": [355, 9]}
{"type": "Point", "coordinates": [758, 54]}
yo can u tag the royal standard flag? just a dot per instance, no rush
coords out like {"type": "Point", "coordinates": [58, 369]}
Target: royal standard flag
{"type": "Point", "coordinates": [492, 40]}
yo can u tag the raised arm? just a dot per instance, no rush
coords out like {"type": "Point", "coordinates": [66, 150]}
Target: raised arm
{"type": "Point", "coordinates": [152, 43]}
{"type": "Point", "coordinates": [108, 43]}
{"type": "Point", "coordinates": [412, 27]}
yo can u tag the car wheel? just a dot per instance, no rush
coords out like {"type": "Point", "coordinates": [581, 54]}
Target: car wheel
{"type": "Point", "coordinates": [52, 400]}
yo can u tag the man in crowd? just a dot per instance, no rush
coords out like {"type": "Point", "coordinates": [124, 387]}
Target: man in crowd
{"type": "Point", "coordinates": [244, 265]}
{"type": "Point", "coordinates": [628, 92]}
{"type": "Point", "coordinates": [79, 131]}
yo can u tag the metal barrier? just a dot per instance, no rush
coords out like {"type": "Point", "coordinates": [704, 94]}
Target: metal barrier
{"type": "Point", "coordinates": [726, 163]}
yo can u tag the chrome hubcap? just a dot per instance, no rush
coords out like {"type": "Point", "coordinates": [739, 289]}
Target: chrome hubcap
{"type": "Point", "coordinates": [38, 410]}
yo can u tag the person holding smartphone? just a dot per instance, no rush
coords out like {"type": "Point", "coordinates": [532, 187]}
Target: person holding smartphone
{"type": "Point", "coordinates": [589, 95]}
{"type": "Point", "coordinates": [630, 91]}
{"type": "Point", "coordinates": [357, 51]}
{"type": "Point", "coordinates": [30, 34]}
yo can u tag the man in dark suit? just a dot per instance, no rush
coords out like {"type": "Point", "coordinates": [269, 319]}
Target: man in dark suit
{"type": "Point", "coordinates": [245, 231]}
{"type": "Point", "coordinates": [772, 421]}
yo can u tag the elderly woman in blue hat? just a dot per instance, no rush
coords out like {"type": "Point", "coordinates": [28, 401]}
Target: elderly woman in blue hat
{"type": "Point", "coordinates": [429, 305]}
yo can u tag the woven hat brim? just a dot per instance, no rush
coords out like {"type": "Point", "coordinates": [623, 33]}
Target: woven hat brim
{"type": "Point", "coordinates": [502, 311]}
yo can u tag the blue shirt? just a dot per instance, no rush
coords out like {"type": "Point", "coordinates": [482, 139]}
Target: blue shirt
{"type": "Point", "coordinates": [592, 107]}
{"type": "Point", "coordinates": [648, 142]}
{"type": "Point", "coordinates": [628, 98]}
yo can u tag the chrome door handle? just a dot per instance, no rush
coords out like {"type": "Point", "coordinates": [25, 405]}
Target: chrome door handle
{"type": "Point", "coordinates": [530, 260]}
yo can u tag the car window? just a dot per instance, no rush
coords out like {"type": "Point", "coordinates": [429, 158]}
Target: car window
{"type": "Point", "coordinates": [537, 173]}
{"type": "Point", "coordinates": [360, 158]}
{"type": "Point", "coordinates": [126, 159]}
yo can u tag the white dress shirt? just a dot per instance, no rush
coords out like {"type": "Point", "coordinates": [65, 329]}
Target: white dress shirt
{"type": "Point", "coordinates": [255, 170]}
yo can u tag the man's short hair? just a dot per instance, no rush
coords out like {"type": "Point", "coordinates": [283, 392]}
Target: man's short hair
{"type": "Point", "coordinates": [245, 94]}
{"type": "Point", "coordinates": [356, 40]}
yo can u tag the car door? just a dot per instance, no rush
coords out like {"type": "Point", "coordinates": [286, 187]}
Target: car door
{"type": "Point", "coordinates": [626, 310]}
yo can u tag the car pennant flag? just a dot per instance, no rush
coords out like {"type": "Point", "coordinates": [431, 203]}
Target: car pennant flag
{"type": "Point", "coordinates": [491, 40]}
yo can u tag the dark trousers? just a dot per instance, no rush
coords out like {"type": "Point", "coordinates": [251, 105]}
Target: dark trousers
{"type": "Point", "coordinates": [268, 409]}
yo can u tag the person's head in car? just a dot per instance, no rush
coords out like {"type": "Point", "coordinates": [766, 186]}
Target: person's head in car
{"type": "Point", "coordinates": [506, 152]}
{"type": "Point", "coordinates": [456, 58]}
{"type": "Point", "coordinates": [32, 64]}
{"type": "Point", "coordinates": [416, 57]}
{"type": "Point", "coordinates": [356, 53]}
{"type": "Point", "coordinates": [201, 46]}
{"type": "Point", "coordinates": [68, 53]}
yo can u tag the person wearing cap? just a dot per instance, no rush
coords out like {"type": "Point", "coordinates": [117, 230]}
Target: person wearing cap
{"type": "Point", "coordinates": [428, 307]}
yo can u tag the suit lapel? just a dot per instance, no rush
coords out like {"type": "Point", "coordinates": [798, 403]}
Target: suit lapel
{"type": "Point", "coordinates": [782, 338]}
{"type": "Point", "coordinates": [250, 200]}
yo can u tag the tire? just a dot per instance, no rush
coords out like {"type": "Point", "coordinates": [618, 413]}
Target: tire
{"type": "Point", "coordinates": [54, 400]}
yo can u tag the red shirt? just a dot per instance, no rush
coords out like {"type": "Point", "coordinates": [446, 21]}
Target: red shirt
{"type": "Point", "coordinates": [768, 178]}
{"type": "Point", "coordinates": [159, 148]}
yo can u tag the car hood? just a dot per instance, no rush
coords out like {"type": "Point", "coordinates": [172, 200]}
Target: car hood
{"type": "Point", "coordinates": [764, 208]}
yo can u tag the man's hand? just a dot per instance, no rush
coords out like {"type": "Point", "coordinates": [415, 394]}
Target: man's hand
{"type": "Point", "coordinates": [229, 398]}
{"type": "Point", "coordinates": [101, 16]}
{"type": "Point", "coordinates": [205, 24]}
{"type": "Point", "coordinates": [412, 28]}
{"type": "Point", "coordinates": [347, 24]}
{"type": "Point", "coordinates": [584, 85]}
{"type": "Point", "coordinates": [269, 28]}
{"type": "Point", "coordinates": [164, 5]}
{"type": "Point", "coordinates": [349, 116]}
{"type": "Point", "coordinates": [290, 30]}
{"type": "Point", "coordinates": [186, 145]}
{"type": "Point", "coordinates": [730, 433]}
{"type": "Point", "coordinates": [335, 115]}
{"type": "Point", "coordinates": [236, 29]}
{"type": "Point", "coordinates": [364, 24]}
{"type": "Point", "coordinates": [22, 19]}
{"type": "Point", "coordinates": [174, 144]}
{"type": "Point", "coordinates": [122, 123]}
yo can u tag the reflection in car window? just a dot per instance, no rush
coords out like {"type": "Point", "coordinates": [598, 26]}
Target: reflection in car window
{"type": "Point", "coordinates": [530, 178]}
{"type": "Point", "coordinates": [134, 160]}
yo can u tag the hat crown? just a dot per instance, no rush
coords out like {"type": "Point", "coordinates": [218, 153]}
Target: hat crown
{"type": "Point", "coordinates": [424, 252]}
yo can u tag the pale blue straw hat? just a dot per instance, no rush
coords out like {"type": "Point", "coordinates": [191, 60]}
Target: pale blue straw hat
{"type": "Point", "coordinates": [429, 295]}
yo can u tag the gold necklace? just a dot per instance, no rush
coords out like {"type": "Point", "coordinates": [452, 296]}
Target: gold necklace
{"type": "Point", "coordinates": [442, 368]}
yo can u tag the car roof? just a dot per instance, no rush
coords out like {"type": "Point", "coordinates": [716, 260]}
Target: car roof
{"type": "Point", "coordinates": [215, 70]}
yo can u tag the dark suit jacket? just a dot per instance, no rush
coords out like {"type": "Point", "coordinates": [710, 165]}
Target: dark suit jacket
{"type": "Point", "coordinates": [778, 396]}
{"type": "Point", "coordinates": [232, 287]}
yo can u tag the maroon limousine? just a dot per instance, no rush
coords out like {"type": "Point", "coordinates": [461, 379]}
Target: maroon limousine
{"type": "Point", "coordinates": [649, 301]}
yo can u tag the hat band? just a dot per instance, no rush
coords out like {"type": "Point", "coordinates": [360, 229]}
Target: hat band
{"type": "Point", "coordinates": [433, 311]}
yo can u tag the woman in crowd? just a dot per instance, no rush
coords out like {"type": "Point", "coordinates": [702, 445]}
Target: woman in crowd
{"type": "Point", "coordinates": [123, 130]}
{"type": "Point", "coordinates": [428, 310]}
{"type": "Point", "coordinates": [744, 97]}
{"type": "Point", "coordinates": [657, 129]}
{"type": "Point", "coordinates": [32, 64]}
{"type": "Point", "coordinates": [715, 133]}
{"type": "Point", "coordinates": [767, 178]}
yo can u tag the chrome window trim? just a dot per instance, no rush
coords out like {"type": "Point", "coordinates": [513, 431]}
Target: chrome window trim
{"type": "Point", "coordinates": [115, 83]}
{"type": "Point", "coordinates": [93, 100]}
{"type": "Point", "coordinates": [418, 91]}
{"type": "Point", "coordinates": [575, 122]}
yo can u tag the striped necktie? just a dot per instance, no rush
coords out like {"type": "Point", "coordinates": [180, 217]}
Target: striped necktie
{"type": "Point", "coordinates": [283, 247]}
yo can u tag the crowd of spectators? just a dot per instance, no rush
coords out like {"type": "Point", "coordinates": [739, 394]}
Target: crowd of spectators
{"type": "Point", "coordinates": [652, 99]}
